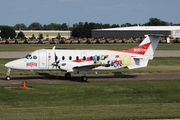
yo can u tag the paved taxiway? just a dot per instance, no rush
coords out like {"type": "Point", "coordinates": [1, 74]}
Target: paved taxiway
{"type": "Point", "coordinates": [92, 78]}
{"type": "Point", "coordinates": [158, 53]}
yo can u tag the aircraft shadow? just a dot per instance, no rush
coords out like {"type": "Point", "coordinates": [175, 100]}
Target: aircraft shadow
{"type": "Point", "coordinates": [74, 78]}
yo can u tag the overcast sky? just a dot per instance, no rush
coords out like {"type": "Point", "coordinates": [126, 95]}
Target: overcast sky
{"type": "Point", "coordinates": [98, 11]}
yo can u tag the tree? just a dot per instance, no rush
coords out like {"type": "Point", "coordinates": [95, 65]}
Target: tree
{"type": "Point", "coordinates": [156, 22]}
{"type": "Point", "coordinates": [40, 36]}
{"type": "Point", "coordinates": [35, 26]}
{"type": "Point", "coordinates": [86, 30]}
{"type": "Point", "coordinates": [99, 25]}
{"type": "Point", "coordinates": [21, 35]}
{"type": "Point", "coordinates": [93, 25]}
{"type": "Point", "coordinates": [59, 36]}
{"type": "Point", "coordinates": [114, 25]}
{"type": "Point", "coordinates": [20, 27]}
{"type": "Point", "coordinates": [64, 26]}
{"type": "Point", "coordinates": [106, 26]}
{"type": "Point", "coordinates": [7, 32]}
{"type": "Point", "coordinates": [47, 36]}
{"type": "Point", "coordinates": [33, 37]}
{"type": "Point", "coordinates": [126, 25]}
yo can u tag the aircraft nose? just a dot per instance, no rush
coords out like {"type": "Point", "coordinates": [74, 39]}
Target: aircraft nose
{"type": "Point", "coordinates": [8, 65]}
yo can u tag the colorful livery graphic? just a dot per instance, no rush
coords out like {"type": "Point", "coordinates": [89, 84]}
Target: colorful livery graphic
{"type": "Point", "coordinates": [81, 61]}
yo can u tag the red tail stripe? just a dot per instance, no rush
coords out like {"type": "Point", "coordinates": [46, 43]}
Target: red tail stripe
{"type": "Point", "coordinates": [137, 50]}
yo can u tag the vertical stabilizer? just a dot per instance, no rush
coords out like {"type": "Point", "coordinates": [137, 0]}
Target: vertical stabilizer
{"type": "Point", "coordinates": [154, 40]}
{"type": "Point", "coordinates": [148, 45]}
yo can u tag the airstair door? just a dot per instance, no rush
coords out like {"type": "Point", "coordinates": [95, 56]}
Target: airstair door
{"type": "Point", "coordinates": [42, 59]}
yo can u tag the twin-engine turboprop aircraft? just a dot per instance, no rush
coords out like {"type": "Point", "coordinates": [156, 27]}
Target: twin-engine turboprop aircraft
{"type": "Point", "coordinates": [82, 61]}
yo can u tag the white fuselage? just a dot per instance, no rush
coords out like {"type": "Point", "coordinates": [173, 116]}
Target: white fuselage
{"type": "Point", "coordinates": [70, 60]}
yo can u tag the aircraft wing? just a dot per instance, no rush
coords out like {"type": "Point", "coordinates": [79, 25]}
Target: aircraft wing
{"type": "Point", "coordinates": [86, 67]}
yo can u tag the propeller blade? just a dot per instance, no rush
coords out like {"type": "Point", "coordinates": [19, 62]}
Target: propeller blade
{"type": "Point", "coordinates": [56, 59]}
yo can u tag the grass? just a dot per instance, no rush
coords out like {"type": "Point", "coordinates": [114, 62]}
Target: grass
{"type": "Point", "coordinates": [141, 100]}
{"type": "Point", "coordinates": [32, 47]}
{"type": "Point", "coordinates": [137, 100]}
{"type": "Point", "coordinates": [158, 64]}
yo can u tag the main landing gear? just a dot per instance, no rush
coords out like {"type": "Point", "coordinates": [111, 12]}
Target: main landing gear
{"type": "Point", "coordinates": [83, 78]}
{"type": "Point", "coordinates": [8, 74]}
{"type": "Point", "coordinates": [68, 75]}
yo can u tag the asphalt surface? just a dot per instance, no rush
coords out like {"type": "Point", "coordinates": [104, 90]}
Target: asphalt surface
{"type": "Point", "coordinates": [158, 53]}
{"type": "Point", "coordinates": [92, 78]}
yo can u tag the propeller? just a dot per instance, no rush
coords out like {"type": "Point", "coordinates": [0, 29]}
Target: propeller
{"type": "Point", "coordinates": [56, 59]}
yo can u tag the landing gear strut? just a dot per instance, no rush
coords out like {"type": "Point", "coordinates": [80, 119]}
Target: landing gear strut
{"type": "Point", "coordinates": [8, 74]}
{"type": "Point", "coordinates": [83, 78]}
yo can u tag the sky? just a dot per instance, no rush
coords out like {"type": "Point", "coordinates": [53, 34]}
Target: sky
{"type": "Point", "coordinates": [14, 12]}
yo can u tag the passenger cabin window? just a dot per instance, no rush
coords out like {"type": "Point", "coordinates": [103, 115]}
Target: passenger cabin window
{"type": "Point", "coordinates": [77, 58]}
{"type": "Point", "coordinates": [28, 56]}
{"type": "Point", "coordinates": [98, 58]}
{"type": "Point", "coordinates": [91, 58]}
{"type": "Point", "coordinates": [70, 58]}
{"type": "Point", "coordinates": [63, 58]}
{"type": "Point", "coordinates": [84, 58]}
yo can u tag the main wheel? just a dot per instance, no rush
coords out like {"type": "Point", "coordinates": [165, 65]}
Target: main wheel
{"type": "Point", "coordinates": [84, 78]}
{"type": "Point", "coordinates": [8, 78]}
{"type": "Point", "coordinates": [68, 75]}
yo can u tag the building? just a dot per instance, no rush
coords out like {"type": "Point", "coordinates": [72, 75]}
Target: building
{"type": "Point", "coordinates": [46, 33]}
{"type": "Point", "coordinates": [136, 31]}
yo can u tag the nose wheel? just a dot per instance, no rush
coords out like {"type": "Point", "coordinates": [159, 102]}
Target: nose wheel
{"type": "Point", "coordinates": [8, 78]}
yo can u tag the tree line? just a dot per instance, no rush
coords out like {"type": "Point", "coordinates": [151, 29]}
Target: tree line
{"type": "Point", "coordinates": [79, 30]}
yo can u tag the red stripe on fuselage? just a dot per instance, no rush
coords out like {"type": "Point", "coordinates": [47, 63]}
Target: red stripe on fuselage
{"type": "Point", "coordinates": [137, 50]}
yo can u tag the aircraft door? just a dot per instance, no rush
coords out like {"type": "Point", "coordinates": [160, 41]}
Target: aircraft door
{"type": "Point", "coordinates": [42, 59]}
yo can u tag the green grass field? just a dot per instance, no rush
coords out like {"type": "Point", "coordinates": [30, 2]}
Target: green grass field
{"type": "Point", "coordinates": [141, 100]}
{"type": "Point", "coordinates": [32, 47]}
{"type": "Point", "coordinates": [135, 100]}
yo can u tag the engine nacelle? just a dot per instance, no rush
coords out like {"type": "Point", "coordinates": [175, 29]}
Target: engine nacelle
{"type": "Point", "coordinates": [66, 66]}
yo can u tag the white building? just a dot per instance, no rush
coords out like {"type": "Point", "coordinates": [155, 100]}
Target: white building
{"type": "Point", "coordinates": [46, 33]}
{"type": "Point", "coordinates": [136, 31]}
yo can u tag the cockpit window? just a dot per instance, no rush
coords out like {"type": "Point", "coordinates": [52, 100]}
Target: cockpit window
{"type": "Point", "coordinates": [34, 57]}
{"type": "Point", "coordinates": [28, 56]}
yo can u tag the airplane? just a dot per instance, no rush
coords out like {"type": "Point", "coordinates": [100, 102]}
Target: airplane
{"type": "Point", "coordinates": [81, 61]}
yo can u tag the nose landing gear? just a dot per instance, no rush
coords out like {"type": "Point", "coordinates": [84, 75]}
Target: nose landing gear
{"type": "Point", "coordinates": [8, 74]}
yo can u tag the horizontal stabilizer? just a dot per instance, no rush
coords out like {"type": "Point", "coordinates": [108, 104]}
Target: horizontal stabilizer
{"type": "Point", "coordinates": [139, 63]}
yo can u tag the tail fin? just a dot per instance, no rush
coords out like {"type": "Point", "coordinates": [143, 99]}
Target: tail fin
{"type": "Point", "coordinates": [146, 48]}
{"type": "Point", "coordinates": [148, 45]}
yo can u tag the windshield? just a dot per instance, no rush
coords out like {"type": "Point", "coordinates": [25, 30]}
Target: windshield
{"type": "Point", "coordinates": [28, 56]}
